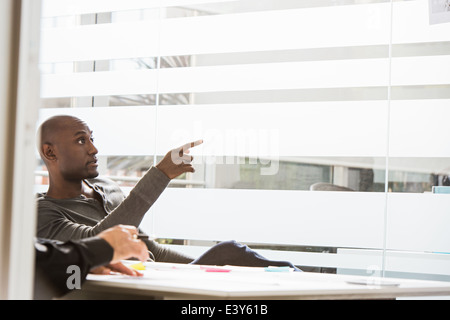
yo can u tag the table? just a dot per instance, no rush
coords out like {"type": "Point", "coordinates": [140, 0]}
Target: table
{"type": "Point", "coordinates": [178, 281]}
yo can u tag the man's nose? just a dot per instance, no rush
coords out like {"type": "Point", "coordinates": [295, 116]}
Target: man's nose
{"type": "Point", "coordinates": [92, 149]}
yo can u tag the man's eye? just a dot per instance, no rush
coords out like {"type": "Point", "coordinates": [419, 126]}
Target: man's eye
{"type": "Point", "coordinates": [81, 141]}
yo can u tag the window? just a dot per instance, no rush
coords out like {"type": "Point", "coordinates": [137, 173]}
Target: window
{"type": "Point", "coordinates": [286, 95]}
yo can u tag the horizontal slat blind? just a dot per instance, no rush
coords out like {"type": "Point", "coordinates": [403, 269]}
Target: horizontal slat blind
{"type": "Point", "coordinates": [306, 217]}
{"type": "Point", "coordinates": [418, 222]}
{"type": "Point", "coordinates": [266, 130]}
{"type": "Point", "coordinates": [281, 217]}
{"type": "Point", "coordinates": [105, 41]}
{"type": "Point", "coordinates": [54, 8]}
{"type": "Point", "coordinates": [323, 74]}
{"type": "Point", "coordinates": [289, 29]}
{"type": "Point", "coordinates": [414, 130]}
{"type": "Point", "coordinates": [225, 135]}
{"type": "Point", "coordinates": [417, 137]}
{"type": "Point", "coordinates": [117, 131]}
{"type": "Point", "coordinates": [222, 33]}
{"type": "Point", "coordinates": [294, 75]}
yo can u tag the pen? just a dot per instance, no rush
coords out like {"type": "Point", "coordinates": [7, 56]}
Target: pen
{"type": "Point", "coordinates": [141, 236]}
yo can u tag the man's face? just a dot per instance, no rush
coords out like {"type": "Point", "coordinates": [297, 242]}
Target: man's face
{"type": "Point", "coordinates": [75, 151]}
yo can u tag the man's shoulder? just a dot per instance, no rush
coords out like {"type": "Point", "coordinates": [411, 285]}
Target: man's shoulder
{"type": "Point", "coordinates": [105, 183]}
{"type": "Point", "coordinates": [45, 202]}
{"type": "Point", "coordinates": [47, 205]}
{"type": "Point", "coordinates": [42, 199]}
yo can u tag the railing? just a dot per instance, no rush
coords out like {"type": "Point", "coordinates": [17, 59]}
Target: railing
{"type": "Point", "coordinates": [179, 182]}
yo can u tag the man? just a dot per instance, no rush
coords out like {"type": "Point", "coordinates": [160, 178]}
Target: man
{"type": "Point", "coordinates": [79, 204]}
{"type": "Point", "coordinates": [55, 260]}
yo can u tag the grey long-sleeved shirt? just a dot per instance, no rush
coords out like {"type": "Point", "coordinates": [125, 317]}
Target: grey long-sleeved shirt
{"type": "Point", "coordinates": [81, 217]}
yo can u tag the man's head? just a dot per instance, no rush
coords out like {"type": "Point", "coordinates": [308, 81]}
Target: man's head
{"type": "Point", "coordinates": [66, 146]}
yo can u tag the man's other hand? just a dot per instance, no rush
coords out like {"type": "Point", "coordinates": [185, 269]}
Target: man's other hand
{"type": "Point", "coordinates": [122, 239]}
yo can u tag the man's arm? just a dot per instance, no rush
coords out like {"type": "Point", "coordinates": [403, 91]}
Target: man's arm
{"type": "Point", "coordinates": [53, 224]}
{"type": "Point", "coordinates": [55, 261]}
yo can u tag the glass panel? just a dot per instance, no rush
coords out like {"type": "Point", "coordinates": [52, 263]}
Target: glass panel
{"type": "Point", "coordinates": [280, 111]}
{"type": "Point", "coordinates": [418, 145]}
{"type": "Point", "coordinates": [290, 97]}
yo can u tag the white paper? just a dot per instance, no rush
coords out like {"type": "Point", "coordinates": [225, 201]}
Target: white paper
{"type": "Point", "coordinates": [439, 11]}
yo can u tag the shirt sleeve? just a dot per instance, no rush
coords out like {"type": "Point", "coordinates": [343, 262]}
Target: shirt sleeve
{"type": "Point", "coordinates": [61, 266]}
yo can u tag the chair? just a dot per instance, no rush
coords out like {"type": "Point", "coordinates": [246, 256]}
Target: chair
{"type": "Point", "coordinates": [322, 186]}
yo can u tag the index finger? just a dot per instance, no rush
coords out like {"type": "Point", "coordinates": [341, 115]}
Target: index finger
{"type": "Point", "coordinates": [191, 144]}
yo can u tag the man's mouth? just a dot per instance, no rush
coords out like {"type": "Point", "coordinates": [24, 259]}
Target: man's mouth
{"type": "Point", "coordinates": [93, 163]}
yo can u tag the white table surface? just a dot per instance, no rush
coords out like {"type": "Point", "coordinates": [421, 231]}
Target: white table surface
{"type": "Point", "coordinates": [177, 281]}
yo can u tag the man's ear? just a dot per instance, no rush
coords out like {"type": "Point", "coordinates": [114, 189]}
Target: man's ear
{"type": "Point", "coordinates": [48, 152]}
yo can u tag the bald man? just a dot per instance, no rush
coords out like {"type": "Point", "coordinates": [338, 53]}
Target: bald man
{"type": "Point", "coordinates": [79, 204]}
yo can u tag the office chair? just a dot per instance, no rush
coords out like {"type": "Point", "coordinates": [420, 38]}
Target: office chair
{"type": "Point", "coordinates": [322, 186]}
